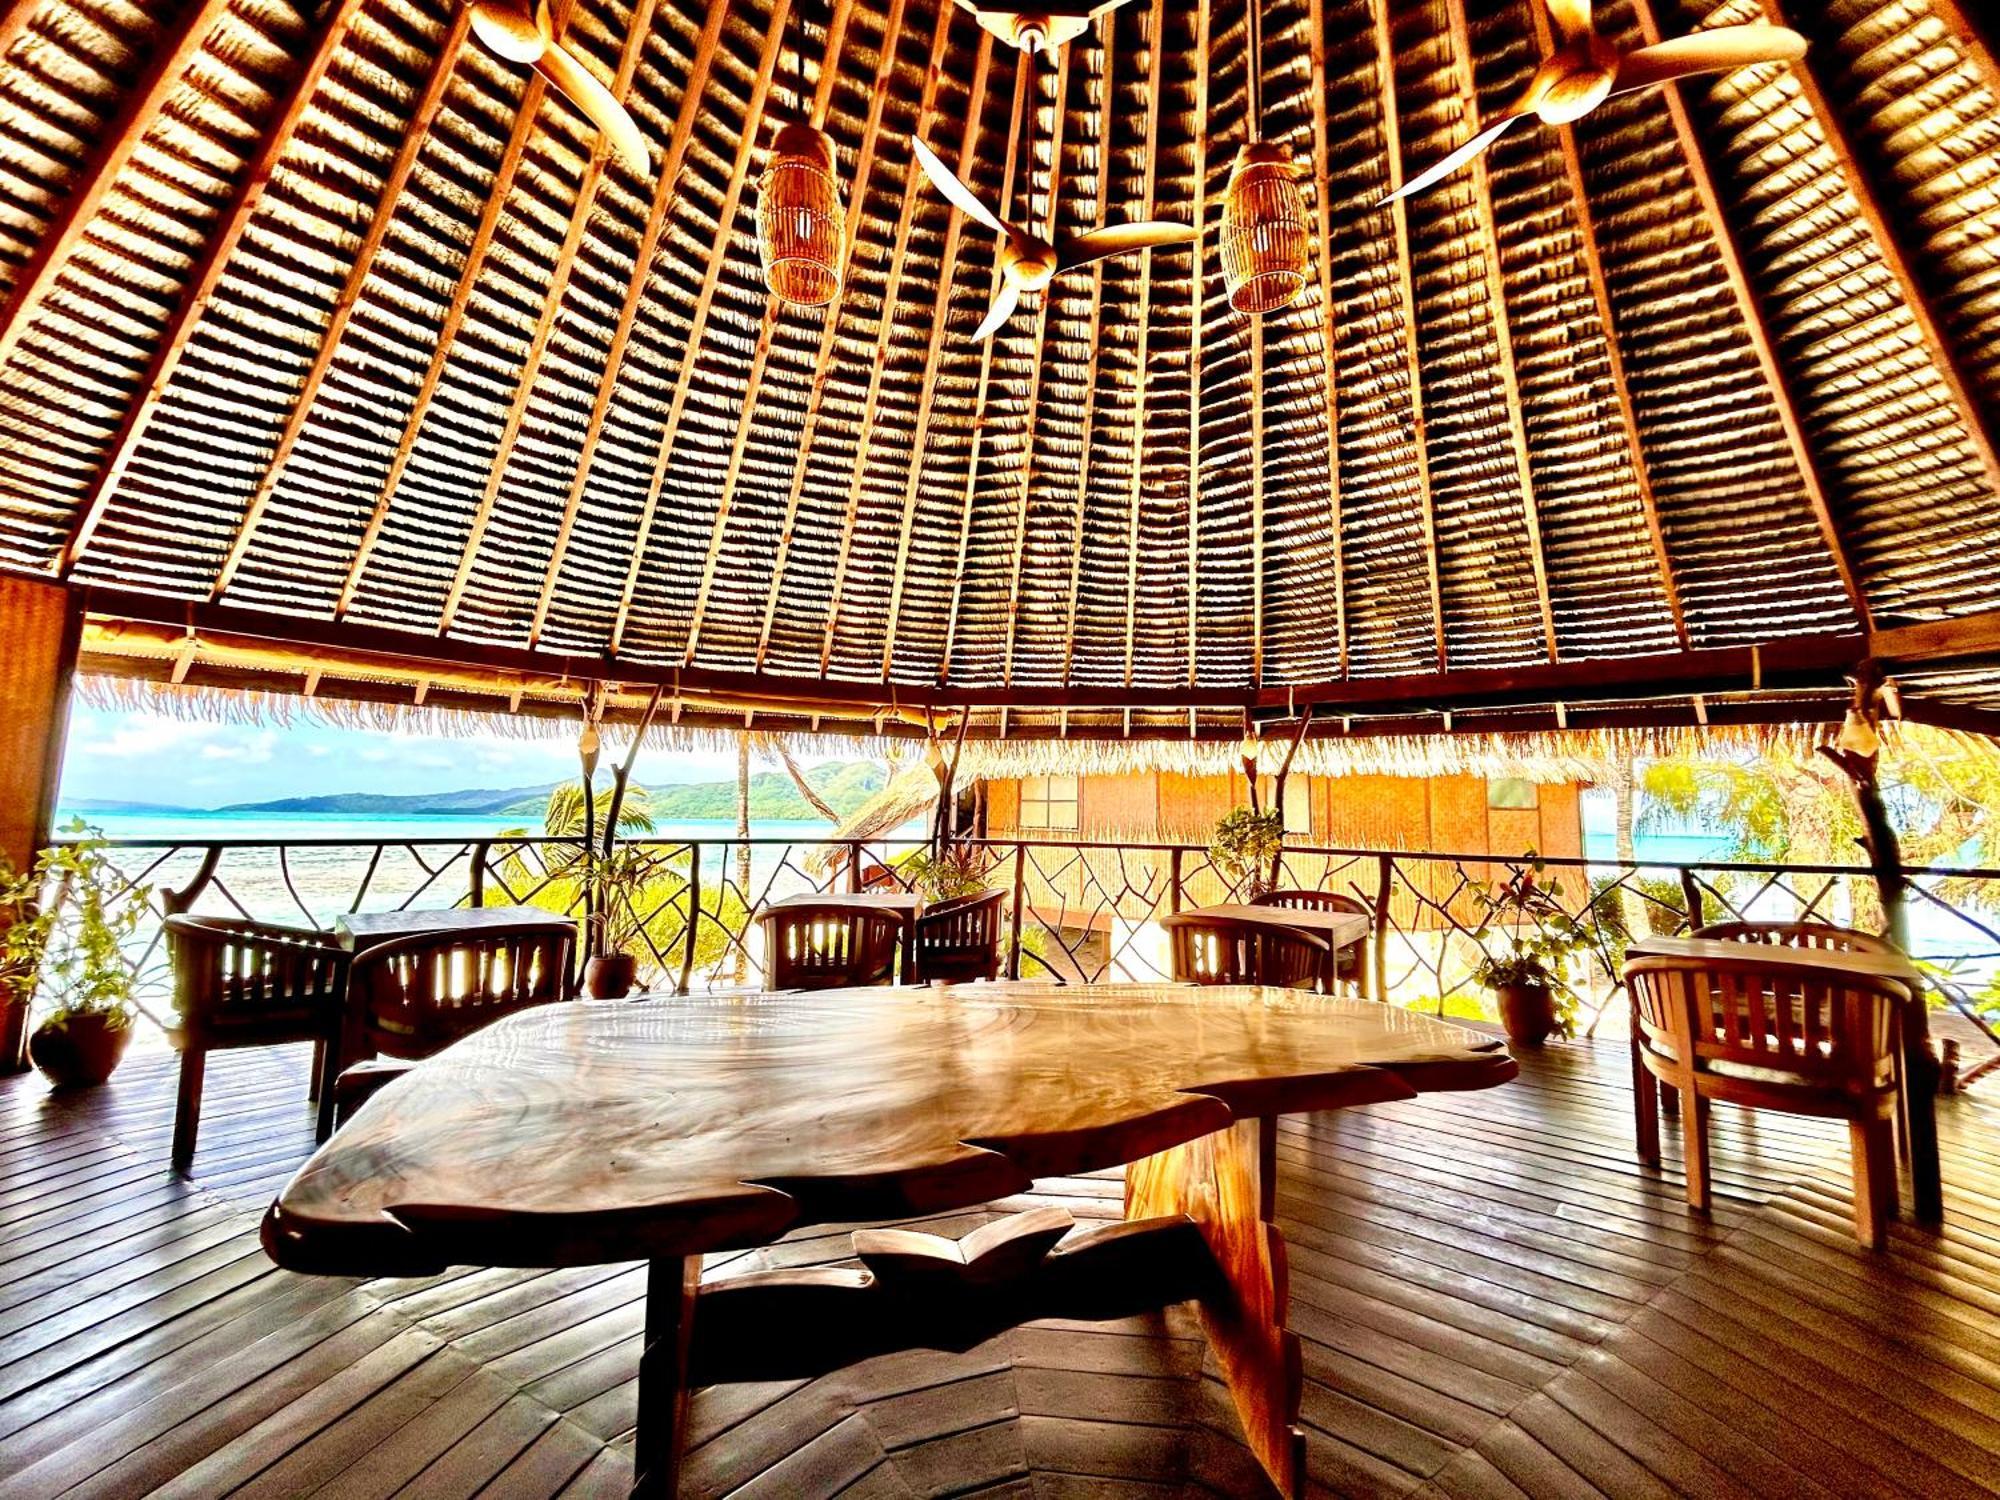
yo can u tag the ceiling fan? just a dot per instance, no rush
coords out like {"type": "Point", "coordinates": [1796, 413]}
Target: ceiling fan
{"type": "Point", "coordinates": [1047, 26]}
{"type": "Point", "coordinates": [1585, 70]}
{"type": "Point", "coordinates": [511, 32]}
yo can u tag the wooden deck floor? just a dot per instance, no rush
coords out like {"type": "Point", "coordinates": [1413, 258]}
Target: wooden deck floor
{"type": "Point", "coordinates": [1495, 1300]}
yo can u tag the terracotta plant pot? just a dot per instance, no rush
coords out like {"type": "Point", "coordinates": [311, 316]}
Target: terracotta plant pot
{"type": "Point", "coordinates": [1528, 1011]}
{"type": "Point", "coordinates": [609, 976]}
{"type": "Point", "coordinates": [82, 1050]}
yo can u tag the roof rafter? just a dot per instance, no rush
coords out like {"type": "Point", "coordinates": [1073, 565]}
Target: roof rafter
{"type": "Point", "coordinates": [1392, 133]}
{"type": "Point", "coordinates": [1503, 330]}
{"type": "Point", "coordinates": [101, 168]}
{"type": "Point", "coordinates": [664, 189]}
{"type": "Point", "coordinates": [1035, 369]}
{"type": "Point", "coordinates": [892, 291]}
{"type": "Point", "coordinates": [1323, 258]}
{"type": "Point", "coordinates": [774, 309]}
{"type": "Point", "coordinates": [830, 329]}
{"type": "Point", "coordinates": [1023, 71]}
{"type": "Point", "coordinates": [725, 230]}
{"type": "Point", "coordinates": [1197, 310]}
{"type": "Point", "coordinates": [1888, 238]}
{"type": "Point", "coordinates": [1157, 50]}
{"type": "Point", "coordinates": [1695, 154]}
{"type": "Point", "coordinates": [545, 323]}
{"type": "Point", "coordinates": [205, 274]}
{"type": "Point", "coordinates": [415, 134]}
{"type": "Point", "coordinates": [1088, 436]}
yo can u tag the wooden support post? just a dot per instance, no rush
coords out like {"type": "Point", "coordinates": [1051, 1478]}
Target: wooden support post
{"type": "Point", "coordinates": [663, 1387]}
{"type": "Point", "coordinates": [40, 624]}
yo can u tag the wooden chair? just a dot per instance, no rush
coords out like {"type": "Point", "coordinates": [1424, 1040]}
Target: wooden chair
{"type": "Point", "coordinates": [239, 983]}
{"type": "Point", "coordinates": [1222, 950]}
{"type": "Point", "coordinates": [1347, 961]}
{"type": "Point", "coordinates": [959, 939]}
{"type": "Point", "coordinates": [1797, 935]}
{"type": "Point", "coordinates": [417, 995]}
{"type": "Point", "coordinates": [808, 946]}
{"type": "Point", "coordinates": [1770, 1035]}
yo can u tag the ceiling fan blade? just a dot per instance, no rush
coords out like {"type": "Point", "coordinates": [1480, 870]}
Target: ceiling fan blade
{"type": "Point", "coordinates": [946, 181]}
{"type": "Point", "coordinates": [1004, 302]}
{"type": "Point", "coordinates": [1117, 239]}
{"type": "Point", "coordinates": [508, 31]}
{"type": "Point", "coordinates": [1716, 50]}
{"type": "Point", "coordinates": [599, 105]}
{"type": "Point", "coordinates": [1457, 159]}
{"type": "Point", "coordinates": [1571, 18]}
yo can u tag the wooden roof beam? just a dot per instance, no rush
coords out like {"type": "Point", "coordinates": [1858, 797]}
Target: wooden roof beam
{"type": "Point", "coordinates": [774, 309]}
{"type": "Point", "coordinates": [1035, 372]}
{"type": "Point", "coordinates": [913, 183]}
{"type": "Point", "coordinates": [1862, 184]}
{"type": "Point", "coordinates": [207, 271]}
{"type": "Point", "coordinates": [1089, 434]}
{"type": "Point", "coordinates": [1197, 311]}
{"type": "Point", "coordinates": [725, 229]}
{"type": "Point", "coordinates": [1023, 69]}
{"type": "Point", "coordinates": [664, 187]}
{"type": "Point", "coordinates": [829, 330]}
{"type": "Point", "coordinates": [415, 134]}
{"type": "Point", "coordinates": [1775, 379]}
{"type": "Point", "coordinates": [1399, 215]}
{"type": "Point", "coordinates": [180, 44]}
{"type": "Point", "coordinates": [552, 303]}
{"type": "Point", "coordinates": [1323, 258]}
{"type": "Point", "coordinates": [1157, 50]}
{"type": "Point", "coordinates": [1503, 329]}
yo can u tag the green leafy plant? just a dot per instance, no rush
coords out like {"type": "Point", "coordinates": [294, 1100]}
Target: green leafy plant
{"type": "Point", "coordinates": [69, 923]}
{"type": "Point", "coordinates": [1244, 846]}
{"type": "Point", "coordinates": [1540, 938]}
{"type": "Point", "coordinates": [960, 870]}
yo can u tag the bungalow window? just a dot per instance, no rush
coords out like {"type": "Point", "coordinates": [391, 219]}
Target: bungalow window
{"type": "Point", "coordinates": [1512, 794]}
{"type": "Point", "coordinates": [1049, 802]}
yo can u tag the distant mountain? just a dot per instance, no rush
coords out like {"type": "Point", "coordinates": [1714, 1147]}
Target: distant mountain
{"type": "Point", "coordinates": [115, 805]}
{"type": "Point", "coordinates": [842, 785]}
{"type": "Point", "coordinates": [472, 801]}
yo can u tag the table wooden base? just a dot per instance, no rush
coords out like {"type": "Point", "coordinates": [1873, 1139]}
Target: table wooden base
{"type": "Point", "coordinates": [1197, 1229]}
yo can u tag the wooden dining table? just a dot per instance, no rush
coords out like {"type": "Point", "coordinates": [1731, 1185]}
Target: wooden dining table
{"type": "Point", "coordinates": [1340, 930]}
{"type": "Point", "coordinates": [665, 1129]}
{"type": "Point", "coordinates": [362, 930]}
{"type": "Point", "coordinates": [1918, 1075]}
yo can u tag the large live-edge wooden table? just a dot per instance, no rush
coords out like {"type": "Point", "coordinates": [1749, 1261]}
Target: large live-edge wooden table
{"type": "Point", "coordinates": [1918, 1076]}
{"type": "Point", "coordinates": [663, 1129]}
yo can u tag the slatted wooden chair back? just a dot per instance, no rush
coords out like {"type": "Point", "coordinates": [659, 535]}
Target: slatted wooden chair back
{"type": "Point", "coordinates": [814, 947]}
{"type": "Point", "coordinates": [959, 939]}
{"type": "Point", "coordinates": [418, 995]}
{"type": "Point", "coordinates": [1314, 901]}
{"type": "Point", "coordinates": [239, 983]}
{"type": "Point", "coordinates": [1221, 950]}
{"type": "Point", "coordinates": [1817, 1030]}
{"type": "Point", "coordinates": [1820, 935]}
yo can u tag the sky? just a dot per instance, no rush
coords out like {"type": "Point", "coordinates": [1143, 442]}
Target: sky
{"type": "Point", "coordinates": [136, 757]}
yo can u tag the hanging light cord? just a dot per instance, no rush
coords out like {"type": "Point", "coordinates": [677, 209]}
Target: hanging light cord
{"type": "Point", "coordinates": [1256, 65]}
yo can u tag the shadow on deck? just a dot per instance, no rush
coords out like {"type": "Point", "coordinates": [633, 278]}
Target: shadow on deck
{"type": "Point", "coordinates": [1495, 1298]}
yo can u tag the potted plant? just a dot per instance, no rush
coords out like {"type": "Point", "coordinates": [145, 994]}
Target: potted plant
{"type": "Point", "coordinates": [957, 871]}
{"type": "Point", "coordinates": [1244, 848]}
{"type": "Point", "coordinates": [68, 923]}
{"type": "Point", "coordinates": [1528, 976]}
{"type": "Point", "coordinates": [613, 932]}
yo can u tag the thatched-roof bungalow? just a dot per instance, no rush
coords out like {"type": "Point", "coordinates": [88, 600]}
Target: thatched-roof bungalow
{"type": "Point", "coordinates": [346, 365]}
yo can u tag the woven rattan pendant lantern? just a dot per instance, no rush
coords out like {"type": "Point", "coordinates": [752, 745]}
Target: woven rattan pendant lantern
{"type": "Point", "coordinates": [800, 233]}
{"type": "Point", "coordinates": [1264, 238]}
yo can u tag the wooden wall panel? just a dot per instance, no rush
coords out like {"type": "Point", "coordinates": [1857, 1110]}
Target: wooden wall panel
{"type": "Point", "coordinates": [1514, 830]}
{"type": "Point", "coordinates": [1003, 806]}
{"type": "Point", "coordinates": [1562, 821]}
{"type": "Point", "coordinates": [1189, 805]}
{"type": "Point", "coordinates": [1118, 807]}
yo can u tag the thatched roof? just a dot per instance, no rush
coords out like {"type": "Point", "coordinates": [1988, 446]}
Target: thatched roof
{"type": "Point", "coordinates": [326, 334]}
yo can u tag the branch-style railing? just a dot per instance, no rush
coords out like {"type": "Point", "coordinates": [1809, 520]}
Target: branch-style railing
{"type": "Point", "coordinates": [1078, 911]}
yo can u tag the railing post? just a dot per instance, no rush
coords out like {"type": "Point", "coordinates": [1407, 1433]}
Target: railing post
{"type": "Point", "coordinates": [1020, 884]}
{"type": "Point", "coordinates": [175, 903]}
{"type": "Point", "coordinates": [481, 852]}
{"type": "Point", "coordinates": [854, 866]}
{"type": "Point", "coordinates": [1174, 879]}
{"type": "Point", "coordinates": [694, 920]}
{"type": "Point", "coordinates": [1379, 939]}
{"type": "Point", "coordinates": [1691, 894]}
